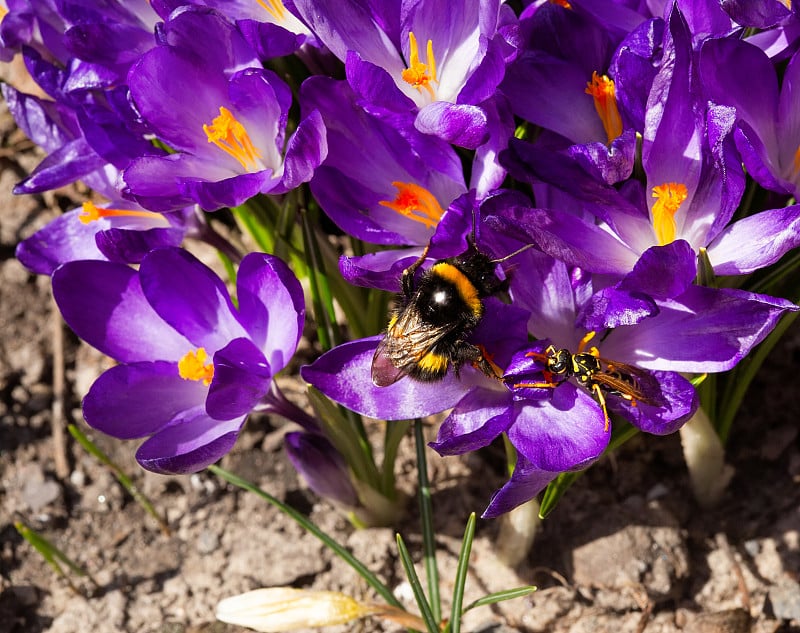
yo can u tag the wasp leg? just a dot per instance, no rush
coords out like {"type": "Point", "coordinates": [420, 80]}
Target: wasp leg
{"type": "Point", "coordinates": [537, 385]}
{"type": "Point", "coordinates": [601, 399]}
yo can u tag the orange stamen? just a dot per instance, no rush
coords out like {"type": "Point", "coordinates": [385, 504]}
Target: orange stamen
{"type": "Point", "coordinates": [193, 366]}
{"type": "Point", "coordinates": [415, 203]}
{"type": "Point", "coordinates": [275, 8]}
{"type": "Point", "coordinates": [420, 75]}
{"type": "Point", "coordinates": [602, 90]}
{"type": "Point", "coordinates": [561, 3]}
{"type": "Point", "coordinates": [90, 213]}
{"type": "Point", "coordinates": [227, 133]}
{"type": "Point", "coordinates": [669, 198]}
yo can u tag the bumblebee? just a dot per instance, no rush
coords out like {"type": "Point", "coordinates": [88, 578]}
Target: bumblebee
{"type": "Point", "coordinates": [427, 332]}
{"type": "Point", "coordinates": [601, 377]}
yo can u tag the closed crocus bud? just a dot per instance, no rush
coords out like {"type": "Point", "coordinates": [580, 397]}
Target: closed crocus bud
{"type": "Point", "coordinates": [285, 609]}
{"type": "Point", "coordinates": [322, 466]}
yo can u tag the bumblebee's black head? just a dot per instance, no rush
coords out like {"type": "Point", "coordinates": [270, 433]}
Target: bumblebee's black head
{"type": "Point", "coordinates": [480, 270]}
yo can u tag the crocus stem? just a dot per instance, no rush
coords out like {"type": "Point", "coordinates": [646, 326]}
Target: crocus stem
{"type": "Point", "coordinates": [705, 459]}
{"type": "Point", "coordinates": [426, 515]}
{"type": "Point", "coordinates": [517, 532]}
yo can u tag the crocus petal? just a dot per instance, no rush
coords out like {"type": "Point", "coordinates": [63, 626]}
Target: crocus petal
{"type": "Point", "coordinates": [228, 192]}
{"type": "Point", "coordinates": [681, 401]}
{"type": "Point", "coordinates": [323, 468]}
{"type": "Point", "coordinates": [305, 151]}
{"type": "Point", "coordinates": [135, 400]}
{"type": "Point", "coordinates": [526, 482]}
{"type": "Point", "coordinates": [68, 163]}
{"type": "Point", "coordinates": [562, 433]}
{"type": "Point", "coordinates": [188, 295]}
{"type": "Point", "coordinates": [104, 304]}
{"type": "Point", "coordinates": [63, 240]}
{"type": "Point", "coordinates": [574, 240]}
{"type": "Point", "coordinates": [272, 306]}
{"type": "Point", "coordinates": [479, 417]}
{"type": "Point", "coordinates": [463, 125]}
{"type": "Point", "coordinates": [192, 442]}
{"type": "Point", "coordinates": [344, 374]}
{"type": "Point", "coordinates": [717, 328]}
{"type": "Point", "coordinates": [755, 241]}
{"type": "Point", "coordinates": [242, 378]}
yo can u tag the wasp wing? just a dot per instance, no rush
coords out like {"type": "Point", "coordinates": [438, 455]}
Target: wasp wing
{"type": "Point", "coordinates": [408, 339]}
{"type": "Point", "coordinates": [630, 381]}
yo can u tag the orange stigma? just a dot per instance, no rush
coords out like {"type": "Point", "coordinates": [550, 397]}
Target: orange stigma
{"type": "Point", "coordinates": [669, 198]}
{"type": "Point", "coordinates": [90, 212]}
{"type": "Point", "coordinates": [420, 75]}
{"type": "Point", "coordinates": [193, 366]}
{"type": "Point", "coordinates": [415, 203]}
{"type": "Point", "coordinates": [227, 133]}
{"type": "Point", "coordinates": [602, 90]}
{"type": "Point", "coordinates": [561, 3]}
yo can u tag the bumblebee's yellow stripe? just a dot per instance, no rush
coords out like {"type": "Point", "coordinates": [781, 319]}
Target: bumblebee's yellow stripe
{"type": "Point", "coordinates": [465, 288]}
{"type": "Point", "coordinates": [433, 362]}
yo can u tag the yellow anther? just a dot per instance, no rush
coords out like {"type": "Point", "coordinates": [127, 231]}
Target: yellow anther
{"type": "Point", "coordinates": [602, 90]}
{"type": "Point", "coordinates": [416, 203]}
{"type": "Point", "coordinates": [90, 212]}
{"type": "Point", "coordinates": [227, 133]}
{"type": "Point", "coordinates": [420, 75]}
{"type": "Point", "coordinates": [275, 8]}
{"type": "Point", "coordinates": [669, 198]}
{"type": "Point", "coordinates": [193, 366]}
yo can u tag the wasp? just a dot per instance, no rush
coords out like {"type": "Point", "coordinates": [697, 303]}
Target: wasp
{"type": "Point", "coordinates": [600, 376]}
{"type": "Point", "coordinates": [427, 333]}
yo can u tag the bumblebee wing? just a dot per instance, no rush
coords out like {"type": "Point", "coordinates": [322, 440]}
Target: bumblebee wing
{"type": "Point", "coordinates": [408, 339]}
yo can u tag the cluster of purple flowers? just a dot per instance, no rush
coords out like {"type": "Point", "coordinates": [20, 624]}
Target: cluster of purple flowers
{"type": "Point", "coordinates": [616, 136]}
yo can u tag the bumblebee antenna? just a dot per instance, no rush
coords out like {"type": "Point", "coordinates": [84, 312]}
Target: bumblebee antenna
{"type": "Point", "coordinates": [516, 252]}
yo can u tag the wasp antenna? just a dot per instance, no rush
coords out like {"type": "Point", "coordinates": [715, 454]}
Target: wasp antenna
{"type": "Point", "coordinates": [516, 252]}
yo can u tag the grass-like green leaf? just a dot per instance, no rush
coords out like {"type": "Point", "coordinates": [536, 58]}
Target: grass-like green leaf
{"type": "Point", "coordinates": [416, 586]}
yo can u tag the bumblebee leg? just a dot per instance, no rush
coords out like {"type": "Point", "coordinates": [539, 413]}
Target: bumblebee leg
{"type": "Point", "coordinates": [601, 399]}
{"type": "Point", "coordinates": [408, 273]}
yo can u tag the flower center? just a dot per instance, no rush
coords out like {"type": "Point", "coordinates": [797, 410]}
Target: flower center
{"type": "Point", "coordinates": [91, 213]}
{"type": "Point", "coordinates": [602, 90]}
{"type": "Point", "coordinates": [416, 203]}
{"type": "Point", "coordinates": [193, 366]}
{"type": "Point", "coordinates": [227, 133]}
{"type": "Point", "coordinates": [275, 8]}
{"type": "Point", "coordinates": [669, 198]}
{"type": "Point", "coordinates": [420, 75]}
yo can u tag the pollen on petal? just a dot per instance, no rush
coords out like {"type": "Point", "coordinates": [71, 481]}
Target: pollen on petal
{"type": "Point", "coordinates": [91, 213]}
{"type": "Point", "coordinates": [603, 91]}
{"type": "Point", "coordinates": [669, 198]}
{"type": "Point", "coordinates": [193, 366]}
{"type": "Point", "coordinates": [420, 76]}
{"type": "Point", "coordinates": [228, 133]}
{"type": "Point", "coordinates": [416, 203]}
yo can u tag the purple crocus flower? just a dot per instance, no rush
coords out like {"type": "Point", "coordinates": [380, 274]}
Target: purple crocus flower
{"type": "Point", "coordinates": [120, 231]}
{"type": "Point", "coordinates": [768, 116]}
{"type": "Point", "coordinates": [694, 185]}
{"type": "Point", "coordinates": [191, 365]}
{"type": "Point", "coordinates": [204, 93]}
{"type": "Point", "coordinates": [434, 60]}
{"type": "Point", "coordinates": [271, 27]}
{"type": "Point", "coordinates": [402, 189]}
{"type": "Point", "coordinates": [562, 84]}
